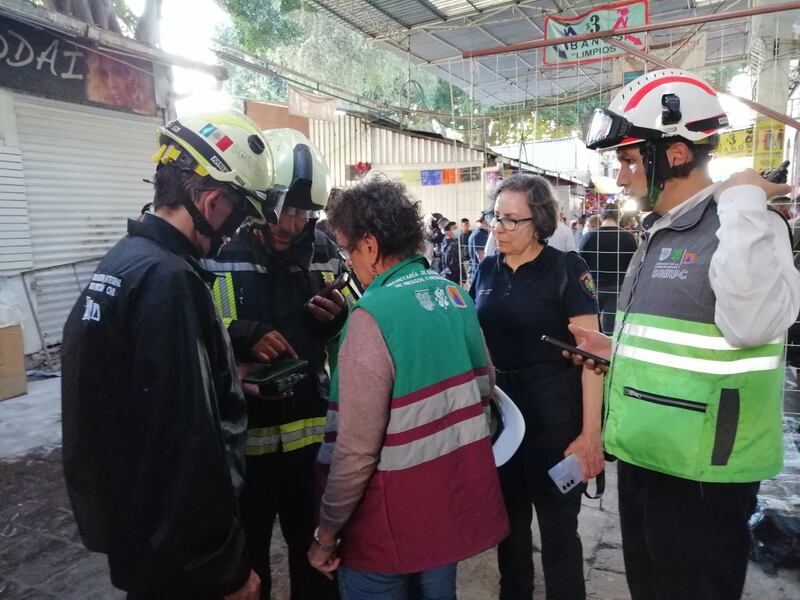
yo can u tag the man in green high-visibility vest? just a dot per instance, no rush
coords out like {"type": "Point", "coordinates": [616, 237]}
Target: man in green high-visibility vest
{"type": "Point", "coordinates": [693, 393]}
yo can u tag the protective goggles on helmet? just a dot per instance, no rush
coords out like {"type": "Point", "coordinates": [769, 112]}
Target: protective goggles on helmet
{"type": "Point", "coordinates": [608, 129]}
{"type": "Point", "coordinates": [276, 203]}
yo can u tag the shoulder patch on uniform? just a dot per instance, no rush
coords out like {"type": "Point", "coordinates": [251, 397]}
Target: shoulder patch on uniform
{"type": "Point", "coordinates": [587, 284]}
{"type": "Point", "coordinates": [455, 296]}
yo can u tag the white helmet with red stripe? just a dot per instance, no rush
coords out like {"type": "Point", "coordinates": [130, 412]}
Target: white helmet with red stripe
{"type": "Point", "coordinates": [671, 101]}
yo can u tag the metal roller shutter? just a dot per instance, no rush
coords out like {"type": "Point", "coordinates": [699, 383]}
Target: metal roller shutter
{"type": "Point", "coordinates": [83, 177]}
{"type": "Point", "coordinates": [15, 249]}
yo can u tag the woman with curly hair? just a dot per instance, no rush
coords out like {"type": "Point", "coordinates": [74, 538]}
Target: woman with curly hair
{"type": "Point", "coordinates": [412, 487]}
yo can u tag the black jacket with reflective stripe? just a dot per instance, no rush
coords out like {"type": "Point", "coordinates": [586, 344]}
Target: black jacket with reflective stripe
{"type": "Point", "coordinates": [269, 292]}
{"type": "Point", "coordinates": [154, 420]}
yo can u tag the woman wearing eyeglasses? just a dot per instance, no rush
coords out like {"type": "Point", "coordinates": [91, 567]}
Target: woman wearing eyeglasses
{"type": "Point", "coordinates": [412, 487]}
{"type": "Point", "coordinates": [527, 290]}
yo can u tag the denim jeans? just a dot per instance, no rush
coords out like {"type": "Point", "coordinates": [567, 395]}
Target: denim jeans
{"type": "Point", "coordinates": [435, 584]}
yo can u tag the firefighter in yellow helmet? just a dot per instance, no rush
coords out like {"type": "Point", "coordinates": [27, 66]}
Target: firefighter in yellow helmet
{"type": "Point", "coordinates": [273, 290]}
{"type": "Point", "coordinates": [153, 413]}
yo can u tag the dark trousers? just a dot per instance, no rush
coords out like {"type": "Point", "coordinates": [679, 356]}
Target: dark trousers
{"type": "Point", "coordinates": [562, 553]}
{"type": "Point", "coordinates": [282, 485]}
{"type": "Point", "coordinates": [608, 311]}
{"type": "Point", "coordinates": [684, 539]}
{"type": "Point", "coordinates": [551, 405]}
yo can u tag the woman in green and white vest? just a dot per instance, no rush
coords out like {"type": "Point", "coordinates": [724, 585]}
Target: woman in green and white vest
{"type": "Point", "coordinates": [412, 487]}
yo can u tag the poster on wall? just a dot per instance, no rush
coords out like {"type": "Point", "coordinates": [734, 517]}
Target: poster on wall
{"type": "Point", "coordinates": [735, 144]}
{"type": "Point", "coordinates": [767, 144]}
{"type": "Point", "coordinates": [42, 63]}
{"type": "Point", "coordinates": [602, 18]}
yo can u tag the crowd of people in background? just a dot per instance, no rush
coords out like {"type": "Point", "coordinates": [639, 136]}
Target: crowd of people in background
{"type": "Point", "coordinates": [219, 371]}
{"type": "Point", "coordinates": [606, 241]}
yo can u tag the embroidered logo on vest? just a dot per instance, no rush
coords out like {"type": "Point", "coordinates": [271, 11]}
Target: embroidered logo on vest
{"type": "Point", "coordinates": [671, 262]}
{"type": "Point", "coordinates": [424, 299]}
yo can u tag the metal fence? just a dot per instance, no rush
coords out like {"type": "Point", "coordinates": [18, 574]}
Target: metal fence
{"type": "Point", "coordinates": [51, 292]}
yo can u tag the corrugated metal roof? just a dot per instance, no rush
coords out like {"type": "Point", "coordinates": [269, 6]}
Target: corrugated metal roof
{"type": "Point", "coordinates": [440, 30]}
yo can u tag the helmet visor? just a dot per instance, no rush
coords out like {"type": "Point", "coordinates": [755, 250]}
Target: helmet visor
{"type": "Point", "coordinates": [608, 129]}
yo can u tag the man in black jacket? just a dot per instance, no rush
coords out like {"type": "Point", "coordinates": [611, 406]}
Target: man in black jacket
{"type": "Point", "coordinates": [273, 292]}
{"type": "Point", "coordinates": [608, 251]}
{"type": "Point", "coordinates": [451, 258]}
{"type": "Point", "coordinates": [153, 414]}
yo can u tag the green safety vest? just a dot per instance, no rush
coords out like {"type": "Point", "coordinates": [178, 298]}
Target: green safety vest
{"type": "Point", "coordinates": [679, 398]}
{"type": "Point", "coordinates": [434, 497]}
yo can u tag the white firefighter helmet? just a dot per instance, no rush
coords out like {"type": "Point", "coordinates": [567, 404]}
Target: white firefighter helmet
{"type": "Point", "coordinates": [302, 181]}
{"type": "Point", "coordinates": [658, 105]}
{"type": "Point", "coordinates": [508, 427]}
{"type": "Point", "coordinates": [226, 146]}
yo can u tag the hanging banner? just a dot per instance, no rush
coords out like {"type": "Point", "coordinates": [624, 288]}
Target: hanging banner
{"type": "Point", "coordinates": [616, 16]}
{"type": "Point", "coordinates": [38, 62]}
{"type": "Point", "coordinates": [409, 177]}
{"type": "Point", "coordinates": [311, 106]}
{"type": "Point", "coordinates": [735, 144]}
{"type": "Point", "coordinates": [767, 144]}
{"type": "Point", "coordinates": [449, 176]}
{"type": "Point", "coordinates": [431, 177]}
{"type": "Point", "coordinates": [688, 54]}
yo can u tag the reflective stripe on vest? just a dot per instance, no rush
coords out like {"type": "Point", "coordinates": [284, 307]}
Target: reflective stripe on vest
{"type": "Point", "coordinates": [435, 421]}
{"type": "Point", "coordinates": [687, 346]}
{"type": "Point", "coordinates": [224, 298]}
{"type": "Point", "coordinates": [700, 365]}
{"type": "Point", "coordinates": [286, 437]}
{"type": "Point", "coordinates": [682, 400]}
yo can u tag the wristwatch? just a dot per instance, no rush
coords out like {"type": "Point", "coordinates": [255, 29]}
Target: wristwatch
{"type": "Point", "coordinates": [324, 547]}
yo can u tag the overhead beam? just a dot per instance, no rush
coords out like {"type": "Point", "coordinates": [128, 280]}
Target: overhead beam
{"type": "Point", "coordinates": [387, 14]}
{"type": "Point", "coordinates": [519, 56]}
{"type": "Point", "coordinates": [107, 40]}
{"type": "Point", "coordinates": [480, 64]}
{"type": "Point", "coordinates": [431, 7]}
{"type": "Point", "coordinates": [611, 33]}
{"type": "Point", "coordinates": [343, 19]}
{"type": "Point", "coordinates": [764, 110]}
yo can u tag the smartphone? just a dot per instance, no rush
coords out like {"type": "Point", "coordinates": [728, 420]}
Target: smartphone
{"type": "Point", "coordinates": [337, 284]}
{"type": "Point", "coordinates": [575, 350]}
{"type": "Point", "coordinates": [279, 376]}
{"type": "Point", "coordinates": [566, 474]}
{"type": "Point", "coordinates": [780, 174]}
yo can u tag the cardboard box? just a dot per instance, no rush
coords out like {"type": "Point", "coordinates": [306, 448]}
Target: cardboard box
{"type": "Point", "coordinates": [13, 381]}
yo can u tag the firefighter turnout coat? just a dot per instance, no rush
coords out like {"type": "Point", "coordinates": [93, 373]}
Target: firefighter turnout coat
{"type": "Point", "coordinates": [258, 291]}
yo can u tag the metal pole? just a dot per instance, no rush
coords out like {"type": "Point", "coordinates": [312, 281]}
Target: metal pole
{"type": "Point", "coordinates": [48, 359]}
{"type": "Point", "coordinates": [610, 33]}
{"type": "Point", "coordinates": [764, 110]}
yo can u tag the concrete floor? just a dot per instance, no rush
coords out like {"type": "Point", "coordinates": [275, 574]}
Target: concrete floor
{"type": "Point", "coordinates": [41, 556]}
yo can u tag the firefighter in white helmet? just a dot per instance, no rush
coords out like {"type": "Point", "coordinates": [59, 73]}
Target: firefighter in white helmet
{"type": "Point", "coordinates": [693, 393]}
{"type": "Point", "coordinates": [153, 414]}
{"type": "Point", "coordinates": [275, 297]}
